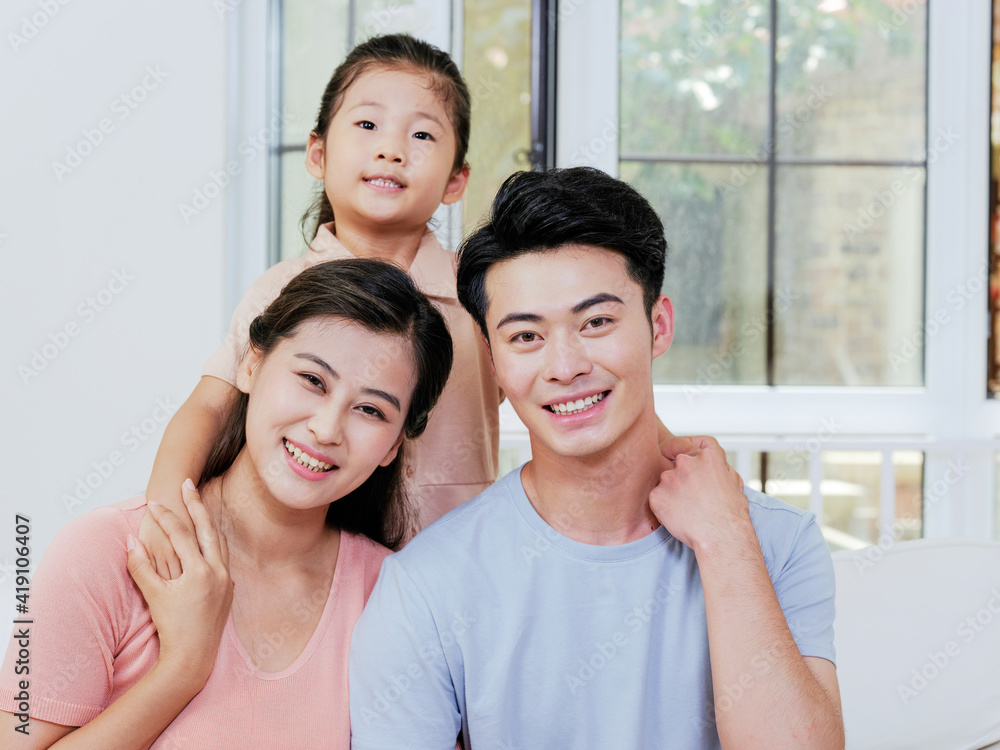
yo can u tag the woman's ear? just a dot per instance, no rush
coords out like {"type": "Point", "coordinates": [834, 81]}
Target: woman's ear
{"type": "Point", "coordinates": [315, 155]}
{"type": "Point", "coordinates": [393, 451]}
{"type": "Point", "coordinates": [455, 189]}
{"type": "Point", "coordinates": [247, 368]}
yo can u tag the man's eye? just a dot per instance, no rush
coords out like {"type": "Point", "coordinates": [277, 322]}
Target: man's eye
{"type": "Point", "coordinates": [598, 322]}
{"type": "Point", "coordinates": [366, 125]}
{"type": "Point", "coordinates": [527, 337]}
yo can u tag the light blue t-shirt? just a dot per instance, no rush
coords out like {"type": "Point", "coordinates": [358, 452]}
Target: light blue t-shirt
{"type": "Point", "coordinates": [492, 624]}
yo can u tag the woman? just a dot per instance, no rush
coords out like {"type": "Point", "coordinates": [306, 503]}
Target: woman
{"type": "Point", "coordinates": [305, 487]}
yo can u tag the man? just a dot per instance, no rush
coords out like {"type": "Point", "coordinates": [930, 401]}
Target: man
{"type": "Point", "coordinates": [603, 596]}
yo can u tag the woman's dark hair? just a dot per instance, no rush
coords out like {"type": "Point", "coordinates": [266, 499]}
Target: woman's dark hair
{"type": "Point", "coordinates": [392, 52]}
{"type": "Point", "coordinates": [535, 212]}
{"type": "Point", "coordinates": [383, 299]}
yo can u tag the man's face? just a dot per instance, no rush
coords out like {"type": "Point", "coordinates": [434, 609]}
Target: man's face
{"type": "Point", "coordinates": [572, 346]}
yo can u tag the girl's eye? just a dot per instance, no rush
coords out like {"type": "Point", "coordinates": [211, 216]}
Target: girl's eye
{"type": "Point", "coordinates": [525, 337]}
{"type": "Point", "coordinates": [312, 380]}
{"type": "Point", "coordinates": [366, 125]}
{"type": "Point", "coordinates": [424, 136]}
{"type": "Point", "coordinates": [371, 411]}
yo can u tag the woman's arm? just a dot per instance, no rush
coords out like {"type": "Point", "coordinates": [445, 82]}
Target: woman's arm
{"type": "Point", "coordinates": [190, 614]}
{"type": "Point", "coordinates": [187, 442]}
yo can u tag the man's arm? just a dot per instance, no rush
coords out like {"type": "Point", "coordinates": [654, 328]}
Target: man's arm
{"type": "Point", "coordinates": [767, 695]}
{"type": "Point", "coordinates": [187, 442]}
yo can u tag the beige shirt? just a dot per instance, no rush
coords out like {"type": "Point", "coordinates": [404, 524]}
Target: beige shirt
{"type": "Point", "coordinates": [456, 457]}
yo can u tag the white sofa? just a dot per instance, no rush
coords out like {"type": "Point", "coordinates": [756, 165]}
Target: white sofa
{"type": "Point", "coordinates": [915, 671]}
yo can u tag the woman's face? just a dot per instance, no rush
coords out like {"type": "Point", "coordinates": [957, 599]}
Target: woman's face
{"type": "Point", "coordinates": [327, 406]}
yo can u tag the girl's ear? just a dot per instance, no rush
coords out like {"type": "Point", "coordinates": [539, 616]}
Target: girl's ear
{"type": "Point", "coordinates": [315, 156]}
{"type": "Point", "coordinates": [393, 451]}
{"type": "Point", "coordinates": [456, 186]}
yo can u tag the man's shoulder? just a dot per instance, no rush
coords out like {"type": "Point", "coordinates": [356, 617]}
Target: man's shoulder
{"type": "Point", "coordinates": [787, 534]}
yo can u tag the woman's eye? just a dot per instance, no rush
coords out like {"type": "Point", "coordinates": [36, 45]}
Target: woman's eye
{"type": "Point", "coordinates": [366, 125]}
{"type": "Point", "coordinates": [423, 136]}
{"type": "Point", "coordinates": [371, 411]}
{"type": "Point", "coordinates": [312, 379]}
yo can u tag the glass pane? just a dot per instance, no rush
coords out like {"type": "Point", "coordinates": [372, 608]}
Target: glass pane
{"type": "Point", "coordinates": [694, 76]}
{"type": "Point", "coordinates": [298, 191]}
{"type": "Point", "coordinates": [909, 472]}
{"type": "Point", "coordinates": [849, 262]}
{"type": "Point", "coordinates": [788, 477]}
{"type": "Point", "coordinates": [851, 489]}
{"type": "Point", "coordinates": [308, 60]}
{"type": "Point", "coordinates": [851, 79]}
{"type": "Point", "coordinates": [497, 70]}
{"type": "Point", "coordinates": [429, 20]}
{"type": "Point", "coordinates": [715, 221]}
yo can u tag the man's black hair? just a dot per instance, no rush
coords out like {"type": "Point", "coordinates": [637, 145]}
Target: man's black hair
{"type": "Point", "coordinates": [541, 211]}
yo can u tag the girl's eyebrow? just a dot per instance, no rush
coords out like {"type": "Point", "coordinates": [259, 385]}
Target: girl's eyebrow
{"type": "Point", "coordinates": [322, 364]}
{"type": "Point", "coordinates": [378, 105]}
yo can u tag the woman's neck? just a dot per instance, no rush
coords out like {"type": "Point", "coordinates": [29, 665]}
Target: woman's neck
{"type": "Point", "coordinates": [397, 246]}
{"type": "Point", "coordinates": [260, 531]}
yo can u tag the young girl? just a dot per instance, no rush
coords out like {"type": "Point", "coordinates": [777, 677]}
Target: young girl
{"type": "Point", "coordinates": [389, 145]}
{"type": "Point", "coordinates": [305, 480]}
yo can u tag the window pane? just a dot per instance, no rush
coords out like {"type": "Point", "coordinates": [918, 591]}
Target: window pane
{"type": "Point", "coordinates": [694, 76]}
{"type": "Point", "coordinates": [308, 61]}
{"type": "Point", "coordinates": [851, 79]}
{"type": "Point", "coordinates": [849, 261]}
{"type": "Point", "coordinates": [429, 20]}
{"type": "Point", "coordinates": [715, 221]}
{"type": "Point", "coordinates": [497, 70]}
{"type": "Point", "coordinates": [298, 191]}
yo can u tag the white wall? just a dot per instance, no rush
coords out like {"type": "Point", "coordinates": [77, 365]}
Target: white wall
{"type": "Point", "coordinates": [110, 227]}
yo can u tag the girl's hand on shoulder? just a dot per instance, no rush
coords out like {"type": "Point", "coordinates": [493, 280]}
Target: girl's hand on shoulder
{"type": "Point", "coordinates": [157, 544]}
{"type": "Point", "coordinates": [190, 611]}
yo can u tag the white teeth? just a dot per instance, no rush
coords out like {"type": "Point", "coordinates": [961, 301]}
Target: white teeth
{"type": "Point", "coordinates": [384, 183]}
{"type": "Point", "coordinates": [581, 404]}
{"type": "Point", "coordinates": [314, 464]}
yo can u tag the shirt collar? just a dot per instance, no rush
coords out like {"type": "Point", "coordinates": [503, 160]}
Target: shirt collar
{"type": "Point", "coordinates": [433, 268]}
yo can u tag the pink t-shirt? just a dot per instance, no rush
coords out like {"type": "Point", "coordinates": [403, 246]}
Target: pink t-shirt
{"type": "Point", "coordinates": [456, 457]}
{"type": "Point", "coordinates": [92, 639]}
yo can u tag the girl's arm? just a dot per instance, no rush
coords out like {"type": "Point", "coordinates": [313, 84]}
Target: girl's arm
{"type": "Point", "coordinates": [187, 442]}
{"type": "Point", "coordinates": [190, 615]}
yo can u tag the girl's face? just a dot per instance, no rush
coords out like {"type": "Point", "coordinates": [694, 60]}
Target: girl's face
{"type": "Point", "coordinates": [387, 159]}
{"type": "Point", "coordinates": [327, 406]}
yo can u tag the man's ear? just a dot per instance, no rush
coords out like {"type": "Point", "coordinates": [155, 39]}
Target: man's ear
{"type": "Point", "coordinates": [455, 189]}
{"type": "Point", "coordinates": [393, 451]}
{"type": "Point", "coordinates": [662, 321]}
{"type": "Point", "coordinates": [315, 155]}
{"type": "Point", "coordinates": [247, 368]}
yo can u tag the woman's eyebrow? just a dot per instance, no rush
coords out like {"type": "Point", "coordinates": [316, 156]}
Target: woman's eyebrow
{"type": "Point", "coordinates": [321, 363]}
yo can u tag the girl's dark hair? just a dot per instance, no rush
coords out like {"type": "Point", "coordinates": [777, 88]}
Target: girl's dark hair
{"type": "Point", "coordinates": [383, 299]}
{"type": "Point", "coordinates": [392, 52]}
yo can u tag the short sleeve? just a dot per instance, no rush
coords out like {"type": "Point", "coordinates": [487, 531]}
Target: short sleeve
{"type": "Point", "coordinates": [225, 362]}
{"type": "Point", "coordinates": [401, 691]}
{"type": "Point", "coordinates": [81, 602]}
{"type": "Point", "coordinates": [806, 590]}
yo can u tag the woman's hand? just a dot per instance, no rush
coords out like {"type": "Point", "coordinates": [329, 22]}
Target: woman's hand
{"type": "Point", "coordinates": [190, 611]}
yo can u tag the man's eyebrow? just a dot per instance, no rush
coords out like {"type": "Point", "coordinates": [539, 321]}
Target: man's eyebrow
{"type": "Point", "coordinates": [321, 363]}
{"type": "Point", "coordinates": [597, 299]}
{"type": "Point", "coordinates": [519, 318]}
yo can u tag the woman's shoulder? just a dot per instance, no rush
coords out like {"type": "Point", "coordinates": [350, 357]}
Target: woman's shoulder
{"type": "Point", "coordinates": [363, 554]}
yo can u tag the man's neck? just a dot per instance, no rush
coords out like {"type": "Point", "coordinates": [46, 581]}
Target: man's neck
{"type": "Point", "coordinates": [397, 246]}
{"type": "Point", "coordinates": [600, 499]}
